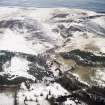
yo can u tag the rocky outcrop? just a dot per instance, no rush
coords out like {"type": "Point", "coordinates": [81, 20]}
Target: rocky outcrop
{"type": "Point", "coordinates": [84, 58]}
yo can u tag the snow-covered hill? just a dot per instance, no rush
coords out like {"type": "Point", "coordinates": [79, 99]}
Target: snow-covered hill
{"type": "Point", "coordinates": [52, 56]}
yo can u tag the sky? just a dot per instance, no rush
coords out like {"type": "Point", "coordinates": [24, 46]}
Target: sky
{"type": "Point", "coordinates": [97, 5]}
